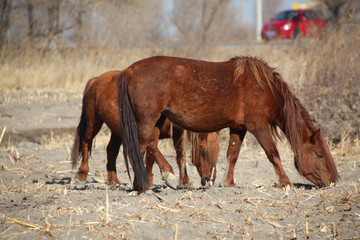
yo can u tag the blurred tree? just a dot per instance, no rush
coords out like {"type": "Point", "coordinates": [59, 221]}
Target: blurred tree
{"type": "Point", "coordinates": [203, 23]}
{"type": "Point", "coordinates": [271, 8]}
{"type": "Point", "coordinates": [53, 11]}
{"type": "Point", "coordinates": [57, 24]}
{"type": "Point", "coordinates": [5, 9]}
{"type": "Point", "coordinates": [78, 12]}
{"type": "Point", "coordinates": [340, 10]}
{"type": "Point", "coordinates": [30, 13]}
{"type": "Point", "coordinates": [60, 24]}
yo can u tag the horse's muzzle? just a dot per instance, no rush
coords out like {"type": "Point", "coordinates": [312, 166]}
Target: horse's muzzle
{"type": "Point", "coordinates": [204, 180]}
{"type": "Point", "coordinates": [324, 183]}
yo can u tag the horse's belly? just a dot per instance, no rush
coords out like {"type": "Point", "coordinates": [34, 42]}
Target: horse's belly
{"type": "Point", "coordinates": [197, 120]}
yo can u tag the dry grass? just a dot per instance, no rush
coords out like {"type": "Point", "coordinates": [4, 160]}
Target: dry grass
{"type": "Point", "coordinates": [332, 86]}
{"type": "Point", "coordinates": [70, 69]}
{"type": "Point", "coordinates": [31, 69]}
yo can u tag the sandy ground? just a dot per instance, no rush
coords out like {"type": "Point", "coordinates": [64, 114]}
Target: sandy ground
{"type": "Point", "coordinates": [40, 200]}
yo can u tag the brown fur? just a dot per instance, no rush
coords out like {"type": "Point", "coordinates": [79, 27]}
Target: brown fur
{"type": "Point", "coordinates": [244, 94]}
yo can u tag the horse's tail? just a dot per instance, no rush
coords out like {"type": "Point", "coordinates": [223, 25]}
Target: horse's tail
{"type": "Point", "coordinates": [76, 152]}
{"type": "Point", "coordinates": [131, 146]}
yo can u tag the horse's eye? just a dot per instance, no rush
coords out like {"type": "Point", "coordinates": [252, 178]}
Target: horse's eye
{"type": "Point", "coordinates": [319, 155]}
{"type": "Point", "coordinates": [203, 153]}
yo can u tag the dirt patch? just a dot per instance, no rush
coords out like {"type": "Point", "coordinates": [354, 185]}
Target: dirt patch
{"type": "Point", "coordinates": [40, 199]}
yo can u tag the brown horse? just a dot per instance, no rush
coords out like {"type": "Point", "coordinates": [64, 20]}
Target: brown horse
{"type": "Point", "coordinates": [204, 154]}
{"type": "Point", "coordinates": [100, 105]}
{"type": "Point", "coordinates": [244, 94]}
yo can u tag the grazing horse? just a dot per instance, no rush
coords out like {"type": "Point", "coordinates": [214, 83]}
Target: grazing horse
{"type": "Point", "coordinates": [204, 154]}
{"type": "Point", "coordinates": [100, 105]}
{"type": "Point", "coordinates": [244, 94]}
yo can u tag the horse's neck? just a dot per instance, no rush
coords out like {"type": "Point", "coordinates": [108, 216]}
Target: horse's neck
{"type": "Point", "coordinates": [297, 135]}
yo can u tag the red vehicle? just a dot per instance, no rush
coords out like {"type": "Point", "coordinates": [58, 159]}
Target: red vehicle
{"type": "Point", "coordinates": [290, 23]}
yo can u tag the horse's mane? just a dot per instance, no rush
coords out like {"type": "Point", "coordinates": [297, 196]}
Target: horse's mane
{"type": "Point", "coordinates": [212, 152]}
{"type": "Point", "coordinates": [295, 116]}
{"type": "Point", "coordinates": [194, 141]}
{"type": "Point", "coordinates": [261, 70]}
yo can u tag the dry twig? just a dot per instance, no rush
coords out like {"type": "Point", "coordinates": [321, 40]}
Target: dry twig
{"type": "Point", "coordinates": [307, 229]}
{"type": "Point", "coordinates": [2, 134]}
{"type": "Point", "coordinates": [176, 229]}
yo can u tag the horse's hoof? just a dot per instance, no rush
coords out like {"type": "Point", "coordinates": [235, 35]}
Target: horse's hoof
{"type": "Point", "coordinates": [187, 185]}
{"type": "Point", "coordinates": [114, 182]}
{"type": "Point", "coordinates": [81, 176]}
{"type": "Point", "coordinates": [285, 186]}
{"type": "Point", "coordinates": [170, 180]}
{"type": "Point", "coordinates": [285, 183]}
{"type": "Point", "coordinates": [226, 184]}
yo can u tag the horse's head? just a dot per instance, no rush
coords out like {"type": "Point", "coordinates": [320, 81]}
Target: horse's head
{"type": "Point", "coordinates": [205, 154]}
{"type": "Point", "coordinates": [316, 162]}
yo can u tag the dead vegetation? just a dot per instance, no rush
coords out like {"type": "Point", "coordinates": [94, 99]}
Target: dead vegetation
{"type": "Point", "coordinates": [57, 207]}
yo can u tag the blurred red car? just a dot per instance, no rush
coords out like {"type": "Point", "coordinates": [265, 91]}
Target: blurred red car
{"type": "Point", "coordinates": [290, 23]}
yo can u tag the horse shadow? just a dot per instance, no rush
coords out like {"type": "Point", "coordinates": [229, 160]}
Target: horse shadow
{"type": "Point", "coordinates": [93, 184]}
{"type": "Point", "coordinates": [305, 186]}
{"type": "Point", "coordinates": [90, 184]}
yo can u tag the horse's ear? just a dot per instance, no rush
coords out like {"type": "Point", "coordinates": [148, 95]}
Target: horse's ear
{"type": "Point", "coordinates": [315, 135]}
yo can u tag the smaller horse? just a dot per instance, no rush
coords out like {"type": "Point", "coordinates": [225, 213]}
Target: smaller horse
{"type": "Point", "coordinates": [204, 154]}
{"type": "Point", "coordinates": [100, 105]}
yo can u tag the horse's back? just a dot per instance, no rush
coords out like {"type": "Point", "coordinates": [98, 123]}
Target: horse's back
{"type": "Point", "coordinates": [185, 90]}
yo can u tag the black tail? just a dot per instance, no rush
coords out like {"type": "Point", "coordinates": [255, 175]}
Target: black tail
{"type": "Point", "coordinates": [79, 135]}
{"type": "Point", "coordinates": [131, 146]}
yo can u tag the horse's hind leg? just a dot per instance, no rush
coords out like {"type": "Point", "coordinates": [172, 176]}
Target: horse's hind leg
{"type": "Point", "coordinates": [153, 154]}
{"type": "Point", "coordinates": [86, 144]}
{"type": "Point", "coordinates": [112, 151]}
{"type": "Point", "coordinates": [266, 141]}
{"type": "Point", "coordinates": [236, 139]}
{"type": "Point", "coordinates": [167, 172]}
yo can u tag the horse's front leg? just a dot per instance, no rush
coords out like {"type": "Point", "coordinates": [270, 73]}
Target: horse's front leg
{"type": "Point", "coordinates": [112, 151]}
{"type": "Point", "coordinates": [266, 141]}
{"type": "Point", "coordinates": [150, 160]}
{"type": "Point", "coordinates": [179, 138]}
{"type": "Point", "coordinates": [236, 139]}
